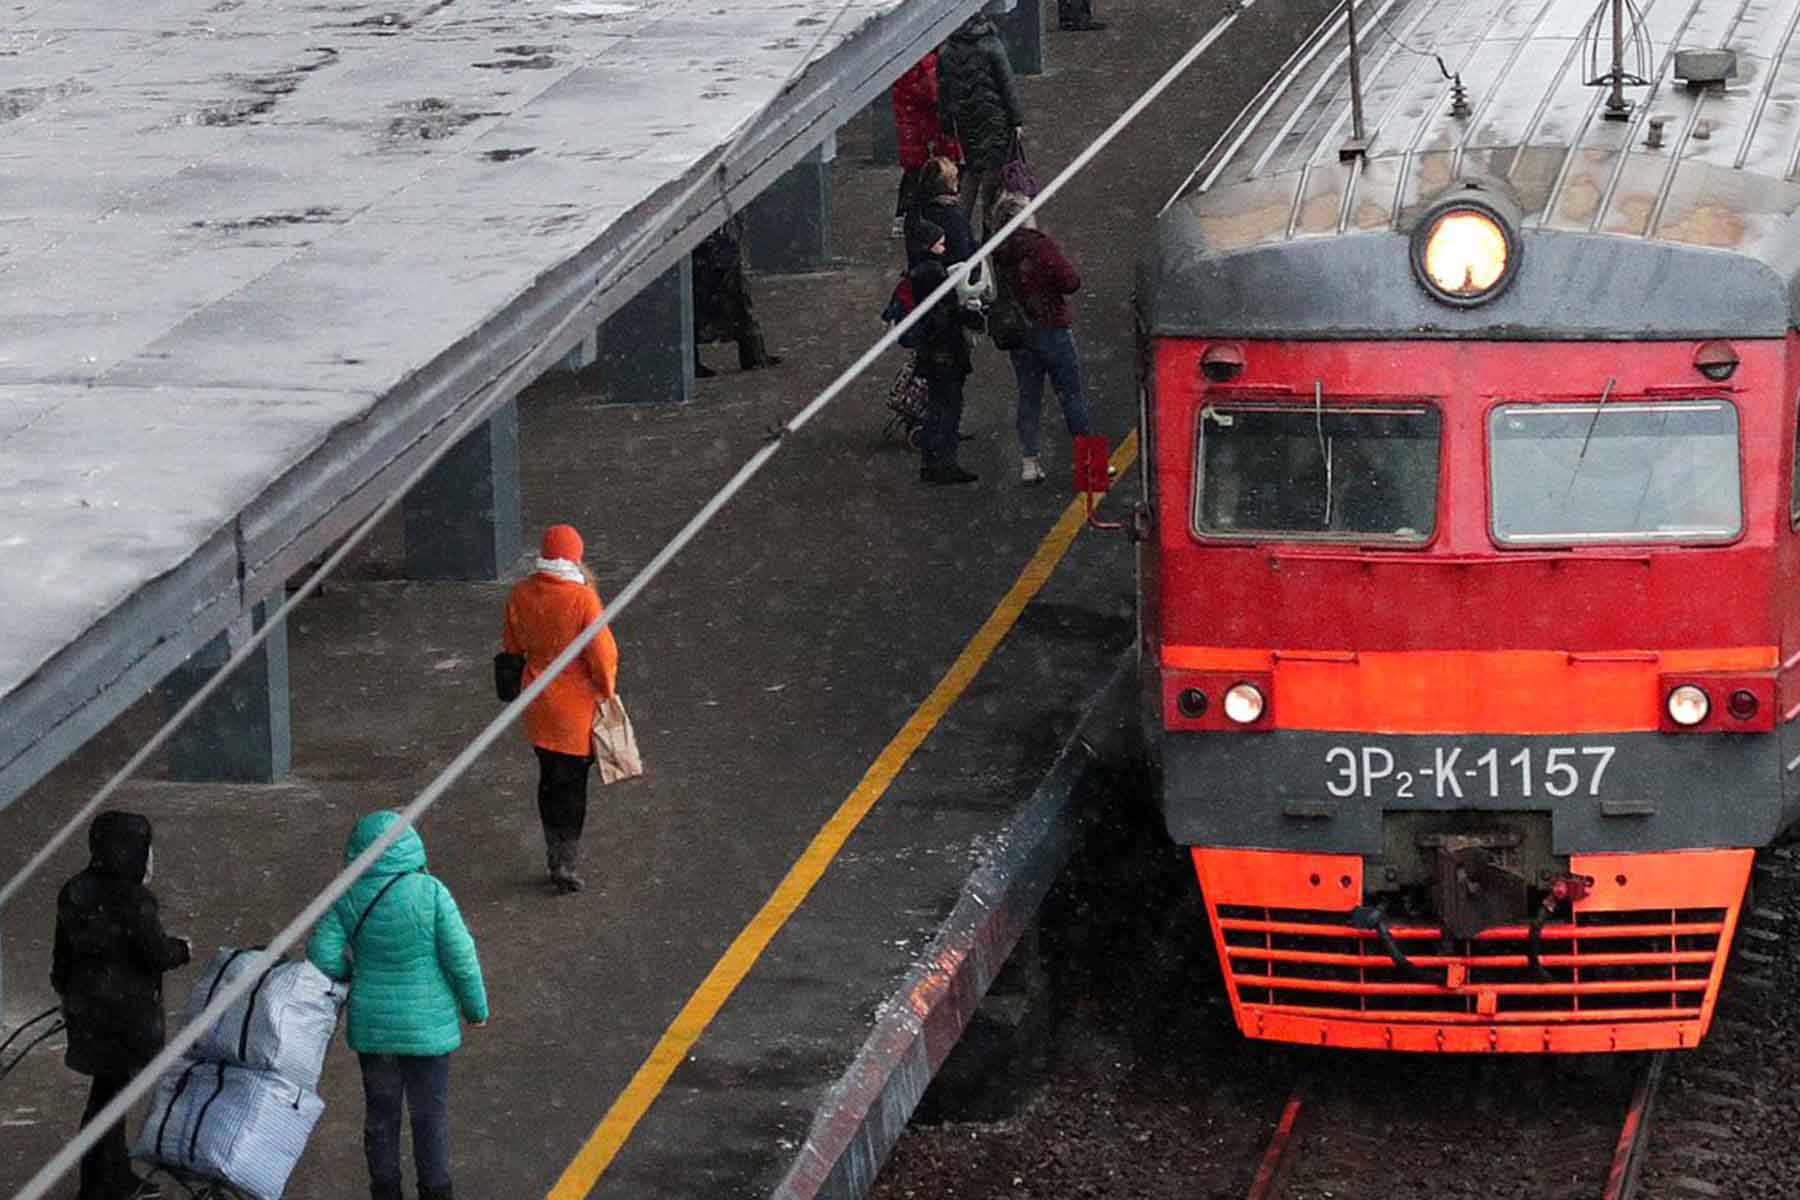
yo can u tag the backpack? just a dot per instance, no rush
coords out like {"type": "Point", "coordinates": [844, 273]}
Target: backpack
{"type": "Point", "coordinates": [899, 305]}
{"type": "Point", "coordinates": [1007, 320]}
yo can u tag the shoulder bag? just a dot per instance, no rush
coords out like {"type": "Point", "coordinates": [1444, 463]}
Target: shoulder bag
{"type": "Point", "coordinates": [614, 742]}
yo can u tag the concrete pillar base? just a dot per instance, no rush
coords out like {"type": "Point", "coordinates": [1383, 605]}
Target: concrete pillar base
{"type": "Point", "coordinates": [644, 353]}
{"type": "Point", "coordinates": [1022, 29]}
{"type": "Point", "coordinates": [242, 733]}
{"type": "Point", "coordinates": [463, 520]}
{"type": "Point", "coordinates": [787, 229]}
{"type": "Point", "coordinates": [884, 144]}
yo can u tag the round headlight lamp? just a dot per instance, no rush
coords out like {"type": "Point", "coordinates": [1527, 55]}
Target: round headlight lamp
{"type": "Point", "coordinates": [1688, 705]}
{"type": "Point", "coordinates": [1465, 248]}
{"type": "Point", "coordinates": [1244, 703]}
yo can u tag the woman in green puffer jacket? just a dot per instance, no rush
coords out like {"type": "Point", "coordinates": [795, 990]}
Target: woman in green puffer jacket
{"type": "Point", "coordinates": [398, 937]}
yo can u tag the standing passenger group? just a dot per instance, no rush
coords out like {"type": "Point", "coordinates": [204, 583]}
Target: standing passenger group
{"type": "Point", "coordinates": [963, 99]}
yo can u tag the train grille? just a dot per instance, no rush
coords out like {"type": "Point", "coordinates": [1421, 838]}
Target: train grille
{"type": "Point", "coordinates": [1604, 966]}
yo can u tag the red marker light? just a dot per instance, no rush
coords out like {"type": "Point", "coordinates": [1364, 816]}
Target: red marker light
{"type": "Point", "coordinates": [1742, 704]}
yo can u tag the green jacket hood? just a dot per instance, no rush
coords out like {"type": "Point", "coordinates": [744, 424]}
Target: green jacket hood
{"type": "Point", "coordinates": [406, 854]}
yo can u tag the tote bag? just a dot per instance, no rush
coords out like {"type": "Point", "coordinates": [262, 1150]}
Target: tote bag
{"type": "Point", "coordinates": [615, 742]}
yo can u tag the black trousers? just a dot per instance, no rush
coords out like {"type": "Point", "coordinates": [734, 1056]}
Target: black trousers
{"type": "Point", "coordinates": [106, 1169]}
{"type": "Point", "coordinates": [909, 191]}
{"type": "Point", "coordinates": [1074, 12]}
{"type": "Point", "coordinates": [562, 794]}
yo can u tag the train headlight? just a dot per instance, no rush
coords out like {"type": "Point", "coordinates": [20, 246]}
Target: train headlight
{"type": "Point", "coordinates": [1244, 703]}
{"type": "Point", "coordinates": [1464, 249]}
{"type": "Point", "coordinates": [1688, 705]}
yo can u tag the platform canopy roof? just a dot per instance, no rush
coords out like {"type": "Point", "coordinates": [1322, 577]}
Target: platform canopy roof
{"type": "Point", "coordinates": [258, 256]}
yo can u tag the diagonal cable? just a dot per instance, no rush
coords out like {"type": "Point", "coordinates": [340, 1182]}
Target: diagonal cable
{"type": "Point", "coordinates": [66, 1158]}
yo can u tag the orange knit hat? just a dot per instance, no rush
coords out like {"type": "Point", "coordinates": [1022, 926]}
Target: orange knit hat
{"type": "Point", "coordinates": [561, 541]}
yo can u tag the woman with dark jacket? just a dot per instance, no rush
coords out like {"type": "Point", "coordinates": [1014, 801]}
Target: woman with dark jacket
{"type": "Point", "coordinates": [938, 204]}
{"type": "Point", "coordinates": [1041, 278]}
{"type": "Point", "coordinates": [399, 939]}
{"type": "Point", "coordinates": [978, 102]}
{"type": "Point", "coordinates": [943, 357]}
{"type": "Point", "coordinates": [107, 966]}
{"type": "Point", "coordinates": [919, 131]}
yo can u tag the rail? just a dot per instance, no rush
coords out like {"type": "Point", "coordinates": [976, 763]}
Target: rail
{"type": "Point", "coordinates": [1623, 1172]}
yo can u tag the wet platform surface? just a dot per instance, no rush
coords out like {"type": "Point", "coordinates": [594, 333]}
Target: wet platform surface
{"type": "Point", "coordinates": [766, 673]}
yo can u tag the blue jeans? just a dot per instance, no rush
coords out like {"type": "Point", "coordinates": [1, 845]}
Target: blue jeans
{"type": "Point", "coordinates": [1048, 352]}
{"type": "Point", "coordinates": [942, 434]}
{"type": "Point", "coordinates": [423, 1084]}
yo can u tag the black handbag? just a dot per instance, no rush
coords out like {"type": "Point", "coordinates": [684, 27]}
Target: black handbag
{"type": "Point", "coordinates": [509, 676]}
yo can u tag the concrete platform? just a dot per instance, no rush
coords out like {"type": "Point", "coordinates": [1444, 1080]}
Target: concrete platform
{"type": "Point", "coordinates": [766, 674]}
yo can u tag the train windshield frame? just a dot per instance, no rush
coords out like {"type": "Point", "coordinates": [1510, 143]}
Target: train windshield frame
{"type": "Point", "coordinates": [1593, 472]}
{"type": "Point", "coordinates": [1330, 471]}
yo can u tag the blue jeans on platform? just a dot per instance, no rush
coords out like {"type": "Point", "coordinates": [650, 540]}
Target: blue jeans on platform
{"type": "Point", "coordinates": [422, 1084]}
{"type": "Point", "coordinates": [939, 439]}
{"type": "Point", "coordinates": [1048, 352]}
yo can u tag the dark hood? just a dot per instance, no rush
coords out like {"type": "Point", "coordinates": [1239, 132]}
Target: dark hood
{"type": "Point", "coordinates": [120, 844]}
{"type": "Point", "coordinates": [976, 28]}
{"type": "Point", "coordinates": [921, 236]}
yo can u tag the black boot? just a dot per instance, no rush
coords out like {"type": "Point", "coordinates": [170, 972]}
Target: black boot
{"type": "Point", "coordinates": [386, 1191]}
{"type": "Point", "coordinates": [562, 874]}
{"type": "Point", "coordinates": [442, 1193]}
{"type": "Point", "coordinates": [753, 352]}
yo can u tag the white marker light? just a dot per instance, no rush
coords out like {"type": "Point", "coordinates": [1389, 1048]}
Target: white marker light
{"type": "Point", "coordinates": [1244, 703]}
{"type": "Point", "coordinates": [1688, 705]}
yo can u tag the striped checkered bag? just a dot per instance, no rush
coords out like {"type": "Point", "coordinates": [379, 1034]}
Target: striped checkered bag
{"type": "Point", "coordinates": [283, 1023]}
{"type": "Point", "coordinates": [246, 1128]}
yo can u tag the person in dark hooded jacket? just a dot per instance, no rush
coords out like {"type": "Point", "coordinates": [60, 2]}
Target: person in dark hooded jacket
{"type": "Point", "coordinates": [978, 103]}
{"type": "Point", "coordinates": [722, 307]}
{"type": "Point", "coordinates": [107, 966]}
{"type": "Point", "coordinates": [943, 357]}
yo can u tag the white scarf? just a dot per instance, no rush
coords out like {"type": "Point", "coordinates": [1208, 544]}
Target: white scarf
{"type": "Point", "coordinates": [562, 568]}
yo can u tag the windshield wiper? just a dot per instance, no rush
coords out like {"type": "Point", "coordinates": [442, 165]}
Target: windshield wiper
{"type": "Point", "coordinates": [1581, 457]}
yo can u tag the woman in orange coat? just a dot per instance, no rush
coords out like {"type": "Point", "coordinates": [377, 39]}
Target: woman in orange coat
{"type": "Point", "coordinates": [544, 613]}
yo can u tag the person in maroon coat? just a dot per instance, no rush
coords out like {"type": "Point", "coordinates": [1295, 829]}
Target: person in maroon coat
{"type": "Point", "coordinates": [920, 134]}
{"type": "Point", "coordinates": [1042, 279]}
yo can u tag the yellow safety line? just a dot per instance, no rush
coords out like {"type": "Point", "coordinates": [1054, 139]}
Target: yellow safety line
{"type": "Point", "coordinates": [579, 1178]}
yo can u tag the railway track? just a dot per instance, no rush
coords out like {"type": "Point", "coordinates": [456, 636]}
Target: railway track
{"type": "Point", "coordinates": [1328, 1142]}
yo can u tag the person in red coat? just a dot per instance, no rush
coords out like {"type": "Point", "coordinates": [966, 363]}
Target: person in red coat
{"type": "Point", "coordinates": [544, 612]}
{"type": "Point", "coordinates": [921, 136]}
{"type": "Point", "coordinates": [1041, 278]}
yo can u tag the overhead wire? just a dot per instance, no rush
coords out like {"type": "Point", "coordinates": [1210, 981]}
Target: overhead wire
{"type": "Point", "coordinates": [177, 1045]}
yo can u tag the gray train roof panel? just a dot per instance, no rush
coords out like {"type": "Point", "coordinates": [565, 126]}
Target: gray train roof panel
{"type": "Point", "coordinates": [1724, 177]}
{"type": "Point", "coordinates": [252, 255]}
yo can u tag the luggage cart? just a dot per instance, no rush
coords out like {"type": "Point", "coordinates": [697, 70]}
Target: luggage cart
{"type": "Point", "coordinates": [906, 403]}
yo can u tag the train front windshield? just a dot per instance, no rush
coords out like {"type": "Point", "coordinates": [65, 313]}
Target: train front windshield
{"type": "Point", "coordinates": [1564, 473]}
{"type": "Point", "coordinates": [1365, 473]}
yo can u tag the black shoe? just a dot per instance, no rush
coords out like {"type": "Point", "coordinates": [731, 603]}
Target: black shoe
{"type": "Point", "coordinates": [1082, 26]}
{"type": "Point", "coordinates": [767, 360]}
{"type": "Point", "coordinates": [949, 473]}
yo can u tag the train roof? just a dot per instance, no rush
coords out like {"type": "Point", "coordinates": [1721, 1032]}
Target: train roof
{"type": "Point", "coordinates": [1696, 235]}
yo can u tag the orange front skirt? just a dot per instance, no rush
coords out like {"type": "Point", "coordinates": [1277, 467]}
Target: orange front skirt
{"type": "Point", "coordinates": [1635, 966]}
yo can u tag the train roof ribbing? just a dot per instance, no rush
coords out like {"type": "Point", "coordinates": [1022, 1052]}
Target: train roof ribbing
{"type": "Point", "coordinates": [1723, 177]}
{"type": "Point", "coordinates": [1695, 236]}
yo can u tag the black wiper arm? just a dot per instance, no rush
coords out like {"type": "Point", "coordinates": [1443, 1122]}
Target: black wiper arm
{"type": "Point", "coordinates": [1581, 457]}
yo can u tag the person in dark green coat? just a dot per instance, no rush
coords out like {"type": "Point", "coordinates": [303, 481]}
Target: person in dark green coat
{"type": "Point", "coordinates": [978, 103]}
{"type": "Point", "coordinates": [397, 936]}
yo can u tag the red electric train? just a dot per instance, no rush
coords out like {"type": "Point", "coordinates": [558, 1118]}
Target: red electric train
{"type": "Point", "coordinates": [1470, 590]}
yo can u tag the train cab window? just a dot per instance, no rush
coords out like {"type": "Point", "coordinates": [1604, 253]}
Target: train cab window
{"type": "Point", "coordinates": [1363, 473]}
{"type": "Point", "coordinates": [1618, 472]}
